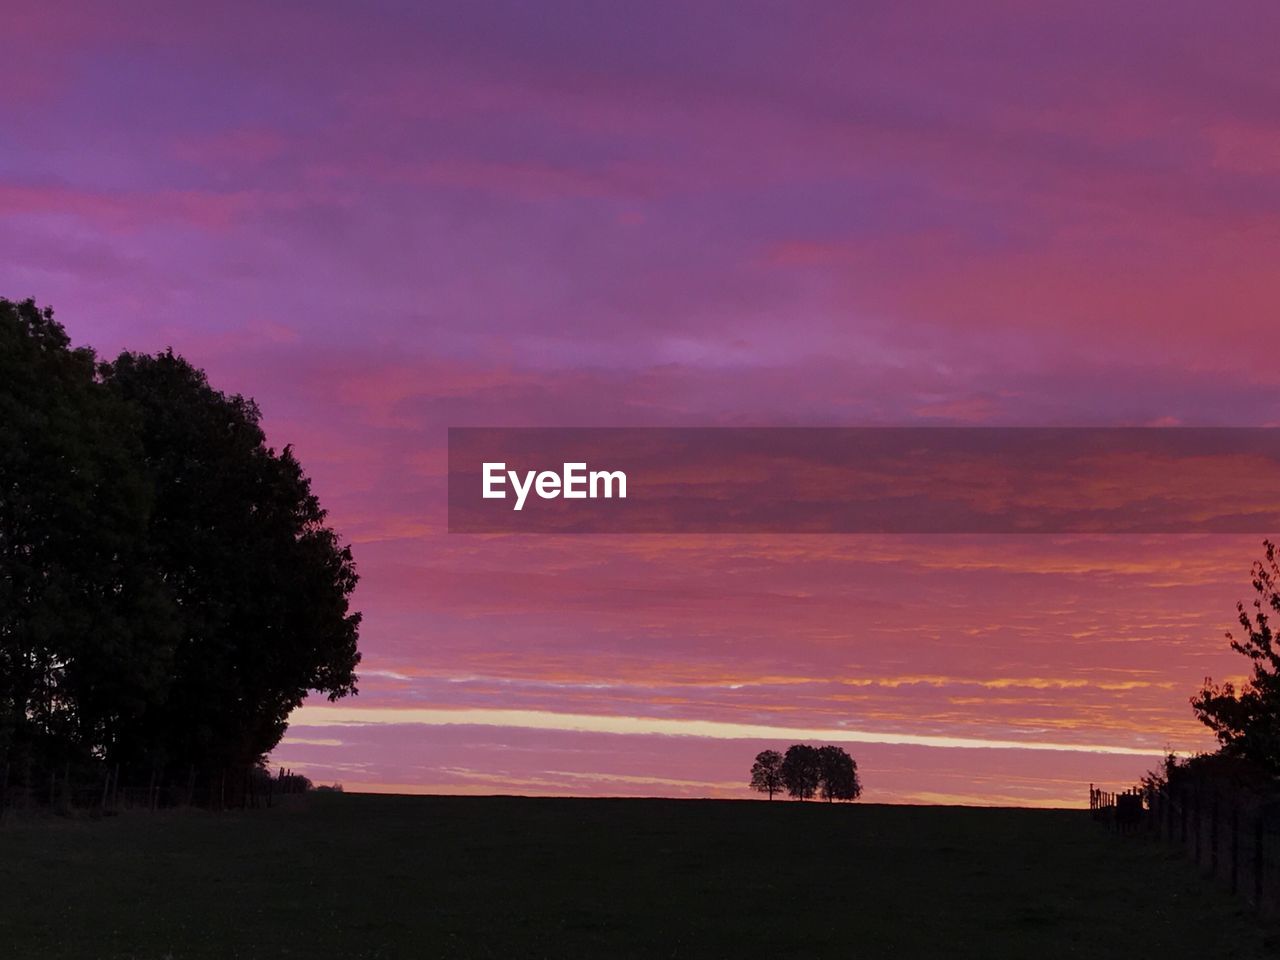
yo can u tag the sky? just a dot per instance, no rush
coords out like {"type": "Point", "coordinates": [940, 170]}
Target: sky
{"type": "Point", "coordinates": [385, 219]}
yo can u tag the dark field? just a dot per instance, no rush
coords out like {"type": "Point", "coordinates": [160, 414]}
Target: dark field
{"type": "Point", "coordinates": [367, 876]}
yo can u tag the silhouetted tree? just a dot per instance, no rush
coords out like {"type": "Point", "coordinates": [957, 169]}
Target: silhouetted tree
{"type": "Point", "coordinates": [1154, 782]}
{"type": "Point", "coordinates": [169, 590]}
{"type": "Point", "coordinates": [801, 771]}
{"type": "Point", "coordinates": [838, 775]}
{"type": "Point", "coordinates": [87, 629]}
{"type": "Point", "coordinates": [261, 583]}
{"type": "Point", "coordinates": [1247, 721]}
{"type": "Point", "coordinates": [766, 773]}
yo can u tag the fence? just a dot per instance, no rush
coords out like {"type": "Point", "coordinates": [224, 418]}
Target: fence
{"type": "Point", "coordinates": [1231, 833]}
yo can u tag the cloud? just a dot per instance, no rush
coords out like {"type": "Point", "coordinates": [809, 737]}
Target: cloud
{"type": "Point", "coordinates": [336, 716]}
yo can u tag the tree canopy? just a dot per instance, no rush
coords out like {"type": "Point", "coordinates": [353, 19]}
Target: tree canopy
{"type": "Point", "coordinates": [1247, 721]}
{"type": "Point", "coordinates": [800, 771]}
{"type": "Point", "coordinates": [837, 775]}
{"type": "Point", "coordinates": [169, 588]}
{"type": "Point", "coordinates": [766, 773]}
{"type": "Point", "coordinates": [806, 771]}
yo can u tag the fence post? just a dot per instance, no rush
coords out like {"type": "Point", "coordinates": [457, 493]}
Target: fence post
{"type": "Point", "coordinates": [1213, 834]}
{"type": "Point", "coordinates": [1182, 814]}
{"type": "Point", "coordinates": [1258, 865]}
{"type": "Point", "coordinates": [1235, 847]}
{"type": "Point", "coordinates": [1195, 822]}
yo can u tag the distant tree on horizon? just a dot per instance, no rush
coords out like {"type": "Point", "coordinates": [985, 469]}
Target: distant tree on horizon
{"type": "Point", "coordinates": [807, 771]}
{"type": "Point", "coordinates": [766, 773]}
{"type": "Point", "coordinates": [1247, 721]}
{"type": "Point", "coordinates": [838, 774]}
{"type": "Point", "coordinates": [801, 771]}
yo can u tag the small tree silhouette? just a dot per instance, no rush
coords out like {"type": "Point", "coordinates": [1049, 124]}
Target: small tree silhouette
{"type": "Point", "coordinates": [838, 774]}
{"type": "Point", "coordinates": [1247, 720]}
{"type": "Point", "coordinates": [801, 771]}
{"type": "Point", "coordinates": [806, 772]}
{"type": "Point", "coordinates": [766, 773]}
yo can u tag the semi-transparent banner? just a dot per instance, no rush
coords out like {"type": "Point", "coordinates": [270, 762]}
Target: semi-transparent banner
{"type": "Point", "coordinates": [864, 480]}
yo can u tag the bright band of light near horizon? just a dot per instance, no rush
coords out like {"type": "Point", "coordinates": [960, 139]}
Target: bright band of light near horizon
{"type": "Point", "coordinates": [326, 716]}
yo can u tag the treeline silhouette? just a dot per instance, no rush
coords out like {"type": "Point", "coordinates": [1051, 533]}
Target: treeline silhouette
{"type": "Point", "coordinates": [806, 771]}
{"type": "Point", "coordinates": [1223, 808]}
{"type": "Point", "coordinates": [169, 589]}
{"type": "Point", "coordinates": [1245, 716]}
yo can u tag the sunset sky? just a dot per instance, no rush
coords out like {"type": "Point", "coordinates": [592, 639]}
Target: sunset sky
{"type": "Point", "coordinates": [386, 219]}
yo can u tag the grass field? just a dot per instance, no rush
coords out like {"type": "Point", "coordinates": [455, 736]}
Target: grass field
{"type": "Point", "coordinates": [368, 876]}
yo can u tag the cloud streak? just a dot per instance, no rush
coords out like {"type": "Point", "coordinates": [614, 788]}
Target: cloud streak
{"type": "Point", "coordinates": [704, 729]}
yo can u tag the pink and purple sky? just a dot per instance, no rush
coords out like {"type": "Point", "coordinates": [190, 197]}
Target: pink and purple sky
{"type": "Point", "coordinates": [385, 219]}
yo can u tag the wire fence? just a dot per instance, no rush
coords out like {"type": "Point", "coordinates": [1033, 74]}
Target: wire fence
{"type": "Point", "coordinates": [1231, 833]}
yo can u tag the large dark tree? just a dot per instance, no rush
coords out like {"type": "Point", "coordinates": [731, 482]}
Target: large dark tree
{"type": "Point", "coordinates": [169, 590]}
{"type": "Point", "coordinates": [86, 629]}
{"type": "Point", "coordinates": [1247, 721]}
{"type": "Point", "coordinates": [260, 582]}
{"type": "Point", "coordinates": [766, 773]}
